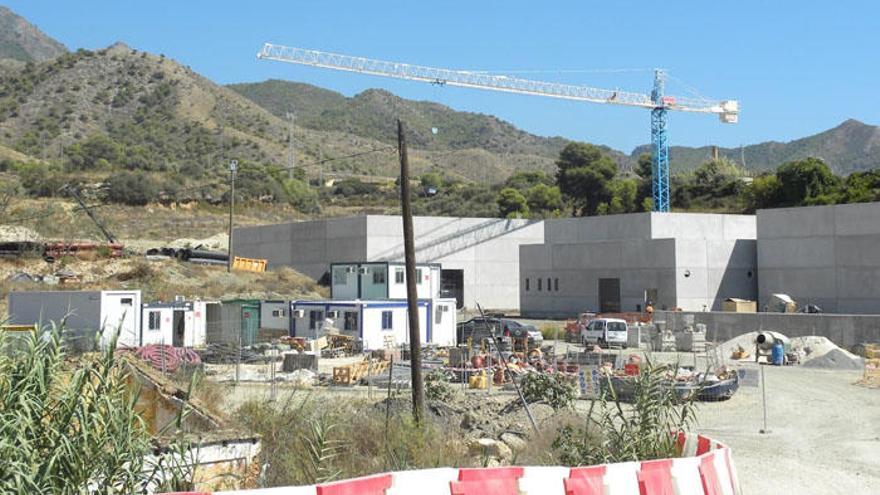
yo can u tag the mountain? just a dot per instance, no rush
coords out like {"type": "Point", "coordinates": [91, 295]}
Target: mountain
{"type": "Point", "coordinates": [431, 127]}
{"type": "Point", "coordinates": [850, 147]}
{"type": "Point", "coordinates": [24, 42]}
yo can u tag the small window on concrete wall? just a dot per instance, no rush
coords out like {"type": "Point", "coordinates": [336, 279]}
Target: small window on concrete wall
{"type": "Point", "coordinates": [556, 284]}
{"type": "Point", "coordinates": [527, 284]}
{"type": "Point", "coordinates": [540, 281]}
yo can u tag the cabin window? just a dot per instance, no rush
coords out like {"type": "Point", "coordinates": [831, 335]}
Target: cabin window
{"type": "Point", "coordinates": [278, 313]}
{"type": "Point", "coordinates": [351, 321]}
{"type": "Point", "coordinates": [438, 314]}
{"type": "Point", "coordinates": [315, 319]}
{"type": "Point", "coordinates": [418, 276]}
{"type": "Point", "coordinates": [387, 321]}
{"type": "Point", "coordinates": [126, 301]}
{"type": "Point", "coordinates": [155, 318]}
{"type": "Point", "coordinates": [398, 275]}
{"type": "Point", "coordinates": [339, 276]}
{"type": "Point", "coordinates": [379, 277]}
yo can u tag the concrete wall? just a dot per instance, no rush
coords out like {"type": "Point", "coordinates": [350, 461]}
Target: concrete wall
{"type": "Point", "coordinates": [823, 255]}
{"type": "Point", "coordinates": [486, 249]}
{"type": "Point", "coordinates": [639, 264]}
{"type": "Point", "coordinates": [692, 259]}
{"type": "Point", "coordinates": [309, 247]}
{"type": "Point", "coordinates": [843, 330]}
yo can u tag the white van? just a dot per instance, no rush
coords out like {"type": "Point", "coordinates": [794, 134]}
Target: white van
{"type": "Point", "coordinates": [605, 332]}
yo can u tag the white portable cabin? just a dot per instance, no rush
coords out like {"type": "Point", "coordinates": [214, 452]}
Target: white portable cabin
{"type": "Point", "coordinates": [83, 312]}
{"type": "Point", "coordinates": [179, 323]}
{"type": "Point", "coordinates": [378, 323]}
{"type": "Point", "coordinates": [382, 280]}
{"type": "Point", "coordinates": [274, 315]}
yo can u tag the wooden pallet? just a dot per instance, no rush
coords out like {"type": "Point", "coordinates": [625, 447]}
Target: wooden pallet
{"type": "Point", "coordinates": [353, 373]}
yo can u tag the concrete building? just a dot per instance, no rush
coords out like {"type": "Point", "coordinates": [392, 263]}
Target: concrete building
{"type": "Point", "coordinates": [618, 262]}
{"type": "Point", "coordinates": [479, 256]}
{"type": "Point", "coordinates": [823, 255]}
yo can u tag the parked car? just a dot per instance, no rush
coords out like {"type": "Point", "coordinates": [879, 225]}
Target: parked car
{"type": "Point", "coordinates": [479, 328]}
{"type": "Point", "coordinates": [605, 332]}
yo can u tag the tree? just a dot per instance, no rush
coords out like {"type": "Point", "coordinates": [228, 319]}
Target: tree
{"type": "Point", "coordinates": [512, 204]}
{"type": "Point", "coordinates": [763, 192]}
{"type": "Point", "coordinates": [544, 199]}
{"type": "Point", "coordinates": [132, 188]}
{"type": "Point", "coordinates": [582, 174]}
{"type": "Point", "coordinates": [804, 179]}
{"type": "Point", "coordinates": [431, 179]}
{"type": "Point", "coordinates": [644, 192]}
{"type": "Point", "coordinates": [525, 180]}
{"type": "Point", "coordinates": [623, 196]}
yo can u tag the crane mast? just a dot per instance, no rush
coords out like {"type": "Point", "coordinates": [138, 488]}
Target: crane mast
{"type": "Point", "coordinates": [657, 102]}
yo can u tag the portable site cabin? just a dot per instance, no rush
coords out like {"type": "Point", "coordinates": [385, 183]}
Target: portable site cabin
{"type": "Point", "coordinates": [379, 324]}
{"type": "Point", "coordinates": [179, 323]}
{"type": "Point", "coordinates": [84, 313]}
{"type": "Point", "coordinates": [274, 319]}
{"type": "Point", "coordinates": [382, 280]}
{"type": "Point", "coordinates": [233, 322]}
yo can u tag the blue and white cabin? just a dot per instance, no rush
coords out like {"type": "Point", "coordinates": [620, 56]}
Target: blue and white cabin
{"type": "Point", "coordinates": [378, 323]}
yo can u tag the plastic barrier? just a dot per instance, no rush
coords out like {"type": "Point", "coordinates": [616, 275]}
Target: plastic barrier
{"type": "Point", "coordinates": [248, 264]}
{"type": "Point", "coordinates": [706, 468]}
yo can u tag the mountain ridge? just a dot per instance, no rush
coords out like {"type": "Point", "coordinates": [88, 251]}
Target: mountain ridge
{"type": "Point", "coordinates": [23, 42]}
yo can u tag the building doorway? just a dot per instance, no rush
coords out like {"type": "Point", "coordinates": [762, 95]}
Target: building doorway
{"type": "Point", "coordinates": [178, 329]}
{"type": "Point", "coordinates": [452, 286]}
{"type": "Point", "coordinates": [609, 295]}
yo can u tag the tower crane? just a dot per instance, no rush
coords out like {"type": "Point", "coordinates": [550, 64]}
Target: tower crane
{"type": "Point", "coordinates": [657, 101]}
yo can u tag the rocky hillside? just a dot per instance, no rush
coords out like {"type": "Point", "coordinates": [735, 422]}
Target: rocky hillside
{"type": "Point", "coordinates": [850, 147]}
{"type": "Point", "coordinates": [24, 42]}
{"type": "Point", "coordinates": [373, 113]}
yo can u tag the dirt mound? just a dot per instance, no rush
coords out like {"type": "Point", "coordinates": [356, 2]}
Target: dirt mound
{"type": "Point", "coordinates": [835, 359]}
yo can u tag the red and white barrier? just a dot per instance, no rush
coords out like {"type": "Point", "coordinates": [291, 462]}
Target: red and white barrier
{"type": "Point", "coordinates": [705, 468]}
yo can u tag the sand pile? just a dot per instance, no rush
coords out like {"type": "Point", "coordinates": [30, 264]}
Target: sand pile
{"type": "Point", "coordinates": [216, 241]}
{"type": "Point", "coordinates": [820, 353]}
{"type": "Point", "coordinates": [813, 351]}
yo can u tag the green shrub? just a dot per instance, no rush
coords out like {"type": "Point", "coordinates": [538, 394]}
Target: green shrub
{"type": "Point", "coordinates": [437, 387]}
{"type": "Point", "coordinates": [553, 388]}
{"type": "Point", "coordinates": [132, 188]}
{"type": "Point", "coordinates": [550, 332]}
{"type": "Point", "coordinates": [646, 430]}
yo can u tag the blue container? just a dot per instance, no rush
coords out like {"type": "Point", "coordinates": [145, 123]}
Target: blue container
{"type": "Point", "coordinates": [778, 354]}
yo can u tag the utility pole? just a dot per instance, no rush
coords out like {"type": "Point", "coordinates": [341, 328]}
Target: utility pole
{"type": "Point", "coordinates": [415, 339]}
{"type": "Point", "coordinates": [291, 156]}
{"type": "Point", "coordinates": [233, 167]}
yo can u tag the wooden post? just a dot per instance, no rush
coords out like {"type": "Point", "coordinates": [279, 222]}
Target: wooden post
{"type": "Point", "coordinates": [418, 391]}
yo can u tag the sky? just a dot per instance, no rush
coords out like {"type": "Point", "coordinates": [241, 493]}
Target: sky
{"type": "Point", "coordinates": [796, 67]}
